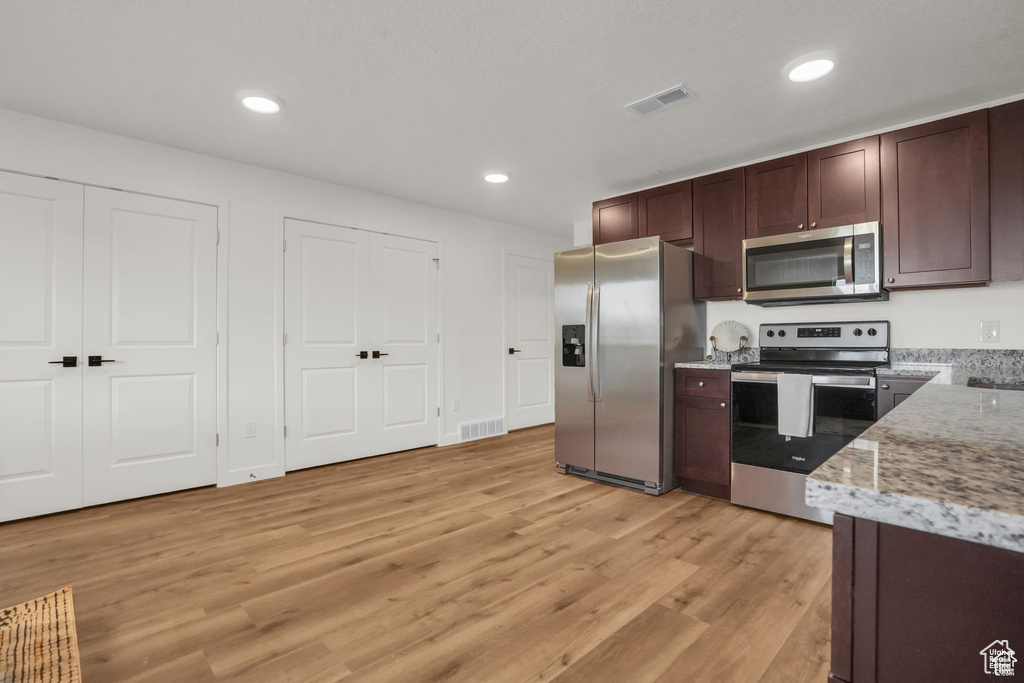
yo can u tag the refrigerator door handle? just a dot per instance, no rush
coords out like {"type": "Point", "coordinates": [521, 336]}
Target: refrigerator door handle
{"type": "Point", "coordinates": [595, 335]}
{"type": "Point", "coordinates": [589, 330]}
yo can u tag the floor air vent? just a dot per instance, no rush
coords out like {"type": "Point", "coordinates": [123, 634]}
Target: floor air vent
{"type": "Point", "coordinates": [660, 101]}
{"type": "Point", "coordinates": [481, 430]}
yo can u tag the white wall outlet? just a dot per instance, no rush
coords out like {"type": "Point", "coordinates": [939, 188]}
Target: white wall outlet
{"type": "Point", "coordinates": [455, 405]}
{"type": "Point", "coordinates": [250, 430]}
{"type": "Point", "coordinates": [990, 331]}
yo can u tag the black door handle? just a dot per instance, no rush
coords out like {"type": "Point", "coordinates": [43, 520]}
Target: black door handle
{"type": "Point", "coordinates": [378, 354]}
{"type": "Point", "coordinates": [67, 361]}
{"type": "Point", "coordinates": [97, 361]}
{"type": "Point", "coordinates": [363, 354]}
{"type": "Point", "coordinates": [511, 351]}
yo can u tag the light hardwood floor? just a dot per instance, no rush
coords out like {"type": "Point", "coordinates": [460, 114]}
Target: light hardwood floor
{"type": "Point", "coordinates": [475, 562]}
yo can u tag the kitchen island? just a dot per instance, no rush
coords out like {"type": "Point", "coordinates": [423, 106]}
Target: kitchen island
{"type": "Point", "coordinates": [928, 540]}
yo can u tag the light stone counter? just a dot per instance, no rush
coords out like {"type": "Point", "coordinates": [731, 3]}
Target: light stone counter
{"type": "Point", "coordinates": [948, 460]}
{"type": "Point", "coordinates": [703, 365]}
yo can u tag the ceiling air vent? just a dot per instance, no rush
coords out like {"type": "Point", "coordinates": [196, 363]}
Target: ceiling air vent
{"type": "Point", "coordinates": [660, 101]}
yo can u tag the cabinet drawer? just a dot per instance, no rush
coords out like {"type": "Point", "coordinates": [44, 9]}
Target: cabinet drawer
{"type": "Point", "coordinates": [702, 383]}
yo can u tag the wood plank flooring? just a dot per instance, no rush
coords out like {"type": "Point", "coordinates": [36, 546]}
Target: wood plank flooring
{"type": "Point", "coordinates": [475, 562]}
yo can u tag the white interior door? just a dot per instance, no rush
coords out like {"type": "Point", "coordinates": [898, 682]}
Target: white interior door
{"type": "Point", "coordinates": [150, 300]}
{"type": "Point", "coordinates": [403, 295]}
{"type": "Point", "coordinates": [530, 370]}
{"type": "Point", "coordinates": [326, 308]}
{"type": "Point", "coordinates": [40, 322]}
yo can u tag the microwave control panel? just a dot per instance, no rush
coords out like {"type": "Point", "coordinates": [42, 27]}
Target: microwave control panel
{"type": "Point", "coordinates": [864, 259]}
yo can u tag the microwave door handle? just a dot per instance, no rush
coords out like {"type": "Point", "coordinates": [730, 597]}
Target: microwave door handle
{"type": "Point", "coordinates": [848, 260]}
{"type": "Point", "coordinates": [589, 327]}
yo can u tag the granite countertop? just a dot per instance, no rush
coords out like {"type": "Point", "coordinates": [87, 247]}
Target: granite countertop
{"type": "Point", "coordinates": [704, 365]}
{"type": "Point", "coordinates": [948, 460]}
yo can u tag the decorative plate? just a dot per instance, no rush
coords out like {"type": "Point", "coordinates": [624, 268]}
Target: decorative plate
{"type": "Point", "coordinates": [729, 335]}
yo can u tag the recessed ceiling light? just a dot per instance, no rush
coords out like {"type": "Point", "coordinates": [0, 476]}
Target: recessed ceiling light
{"type": "Point", "coordinates": [496, 176]}
{"type": "Point", "coordinates": [259, 101]}
{"type": "Point", "coordinates": [810, 67]}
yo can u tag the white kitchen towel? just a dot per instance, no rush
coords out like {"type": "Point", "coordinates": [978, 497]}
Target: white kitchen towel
{"type": "Point", "coordinates": [796, 405]}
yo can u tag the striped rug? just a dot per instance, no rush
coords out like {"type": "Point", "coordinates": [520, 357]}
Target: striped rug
{"type": "Point", "coordinates": [38, 641]}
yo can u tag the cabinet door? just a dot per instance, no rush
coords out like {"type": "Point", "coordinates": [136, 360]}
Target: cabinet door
{"type": "Point", "coordinates": [842, 184]}
{"type": "Point", "coordinates": [935, 203]}
{"type": "Point", "coordinates": [777, 196]}
{"type": "Point", "coordinates": [667, 212]}
{"type": "Point", "coordinates": [718, 227]}
{"type": "Point", "coordinates": [703, 427]}
{"type": "Point", "coordinates": [616, 219]}
{"type": "Point", "coordinates": [1006, 147]}
{"type": "Point", "coordinates": [892, 391]}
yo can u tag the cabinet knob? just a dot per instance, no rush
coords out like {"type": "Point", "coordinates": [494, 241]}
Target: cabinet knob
{"type": "Point", "coordinates": [739, 290]}
{"type": "Point", "coordinates": [891, 280]}
{"type": "Point", "coordinates": [799, 226]}
{"type": "Point", "coordinates": [885, 386]}
{"type": "Point", "coordinates": [722, 404]}
{"type": "Point", "coordinates": [814, 224]}
{"type": "Point", "coordinates": [700, 384]}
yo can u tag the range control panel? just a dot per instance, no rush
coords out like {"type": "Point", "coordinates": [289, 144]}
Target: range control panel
{"type": "Point", "coordinates": [853, 335]}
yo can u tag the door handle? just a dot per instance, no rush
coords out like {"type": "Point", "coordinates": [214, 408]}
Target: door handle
{"type": "Point", "coordinates": [511, 351]}
{"type": "Point", "coordinates": [378, 354]}
{"type": "Point", "coordinates": [66, 361]}
{"type": "Point", "coordinates": [848, 260]}
{"type": "Point", "coordinates": [97, 361]}
{"type": "Point", "coordinates": [363, 354]}
{"type": "Point", "coordinates": [596, 341]}
{"type": "Point", "coordinates": [589, 329]}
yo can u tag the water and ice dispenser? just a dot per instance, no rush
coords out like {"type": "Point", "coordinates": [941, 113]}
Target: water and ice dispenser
{"type": "Point", "coordinates": [573, 351]}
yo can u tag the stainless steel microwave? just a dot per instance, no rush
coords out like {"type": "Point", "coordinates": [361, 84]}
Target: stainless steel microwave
{"type": "Point", "coordinates": [830, 265]}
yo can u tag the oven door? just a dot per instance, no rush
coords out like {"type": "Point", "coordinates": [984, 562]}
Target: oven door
{"type": "Point", "coordinates": [832, 263]}
{"type": "Point", "coordinates": [844, 406]}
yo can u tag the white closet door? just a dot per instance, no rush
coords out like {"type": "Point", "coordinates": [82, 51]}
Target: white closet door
{"type": "Point", "coordinates": [150, 308]}
{"type": "Point", "coordinates": [326, 307]}
{"type": "Point", "coordinates": [40, 321]}
{"type": "Point", "coordinates": [529, 297]}
{"type": "Point", "coordinates": [403, 292]}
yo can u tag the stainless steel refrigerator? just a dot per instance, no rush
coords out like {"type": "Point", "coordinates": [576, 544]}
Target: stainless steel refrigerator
{"type": "Point", "coordinates": [624, 315]}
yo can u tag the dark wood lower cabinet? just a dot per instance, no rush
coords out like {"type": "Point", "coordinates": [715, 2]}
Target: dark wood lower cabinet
{"type": "Point", "coordinates": [913, 606]}
{"type": "Point", "coordinates": [892, 390]}
{"type": "Point", "coordinates": [703, 432]}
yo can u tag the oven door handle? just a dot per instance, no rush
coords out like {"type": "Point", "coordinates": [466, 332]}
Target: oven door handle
{"type": "Point", "coordinates": [840, 381]}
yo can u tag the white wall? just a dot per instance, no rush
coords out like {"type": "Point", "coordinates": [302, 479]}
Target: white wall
{"type": "Point", "coordinates": [934, 318]}
{"type": "Point", "coordinates": [583, 233]}
{"type": "Point", "coordinates": [252, 205]}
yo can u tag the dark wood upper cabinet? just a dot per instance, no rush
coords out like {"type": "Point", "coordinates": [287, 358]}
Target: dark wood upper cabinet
{"type": "Point", "coordinates": [1006, 162]}
{"type": "Point", "coordinates": [718, 229]}
{"type": "Point", "coordinates": [777, 196]}
{"type": "Point", "coordinates": [616, 219]}
{"type": "Point", "coordinates": [842, 184]}
{"type": "Point", "coordinates": [667, 212]}
{"type": "Point", "coordinates": [935, 203]}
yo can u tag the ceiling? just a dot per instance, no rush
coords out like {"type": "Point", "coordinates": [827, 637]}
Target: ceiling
{"type": "Point", "coordinates": [418, 99]}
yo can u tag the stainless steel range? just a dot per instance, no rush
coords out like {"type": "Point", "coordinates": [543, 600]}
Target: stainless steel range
{"type": "Point", "coordinates": [834, 393]}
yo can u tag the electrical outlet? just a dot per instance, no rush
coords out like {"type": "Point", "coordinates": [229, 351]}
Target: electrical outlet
{"type": "Point", "coordinates": [455, 405]}
{"type": "Point", "coordinates": [250, 430]}
{"type": "Point", "coordinates": [990, 331]}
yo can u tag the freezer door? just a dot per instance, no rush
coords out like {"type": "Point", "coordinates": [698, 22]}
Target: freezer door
{"type": "Point", "coordinates": [628, 356]}
{"type": "Point", "coordinates": [574, 407]}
